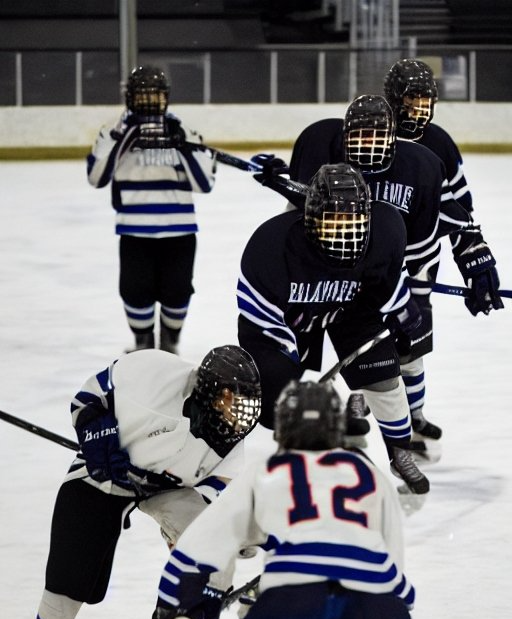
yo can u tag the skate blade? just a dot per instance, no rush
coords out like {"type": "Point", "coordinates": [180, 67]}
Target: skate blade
{"type": "Point", "coordinates": [358, 442]}
{"type": "Point", "coordinates": [426, 451]}
{"type": "Point", "coordinates": [410, 502]}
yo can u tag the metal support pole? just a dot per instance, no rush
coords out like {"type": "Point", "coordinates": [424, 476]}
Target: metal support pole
{"type": "Point", "coordinates": [19, 78]}
{"type": "Point", "coordinates": [472, 76]}
{"type": "Point", "coordinates": [320, 84]}
{"type": "Point", "coordinates": [78, 78]}
{"type": "Point", "coordinates": [396, 24]}
{"type": "Point", "coordinates": [207, 78]}
{"type": "Point", "coordinates": [352, 75]}
{"type": "Point", "coordinates": [128, 47]}
{"type": "Point", "coordinates": [273, 77]}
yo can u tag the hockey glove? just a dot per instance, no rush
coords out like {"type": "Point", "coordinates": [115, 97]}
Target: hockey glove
{"type": "Point", "coordinates": [478, 268]}
{"type": "Point", "coordinates": [270, 166]}
{"type": "Point", "coordinates": [405, 320]}
{"type": "Point", "coordinates": [97, 432]}
{"type": "Point", "coordinates": [177, 135]}
{"type": "Point", "coordinates": [168, 613]}
{"type": "Point", "coordinates": [146, 483]}
{"type": "Point", "coordinates": [197, 600]}
{"type": "Point", "coordinates": [124, 123]}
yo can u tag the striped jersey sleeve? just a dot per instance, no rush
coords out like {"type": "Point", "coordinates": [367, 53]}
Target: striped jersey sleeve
{"type": "Point", "coordinates": [266, 316]}
{"type": "Point", "coordinates": [97, 390]}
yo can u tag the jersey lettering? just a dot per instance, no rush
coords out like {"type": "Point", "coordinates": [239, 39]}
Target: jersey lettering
{"type": "Point", "coordinates": [396, 193]}
{"type": "Point", "coordinates": [304, 506]}
{"type": "Point", "coordinates": [323, 291]}
{"type": "Point", "coordinates": [364, 486]}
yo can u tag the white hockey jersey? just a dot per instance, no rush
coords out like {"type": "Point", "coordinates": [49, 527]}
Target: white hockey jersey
{"type": "Point", "coordinates": [326, 516]}
{"type": "Point", "coordinates": [147, 389]}
{"type": "Point", "coordinates": [151, 188]}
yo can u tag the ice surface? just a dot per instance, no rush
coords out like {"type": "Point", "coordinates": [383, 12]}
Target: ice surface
{"type": "Point", "coordinates": [61, 320]}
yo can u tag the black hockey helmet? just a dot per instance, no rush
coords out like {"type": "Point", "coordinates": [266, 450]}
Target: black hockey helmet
{"type": "Point", "coordinates": [309, 416]}
{"type": "Point", "coordinates": [337, 213]}
{"type": "Point", "coordinates": [411, 91]}
{"type": "Point", "coordinates": [369, 133]}
{"type": "Point", "coordinates": [226, 399]}
{"type": "Point", "coordinates": [147, 91]}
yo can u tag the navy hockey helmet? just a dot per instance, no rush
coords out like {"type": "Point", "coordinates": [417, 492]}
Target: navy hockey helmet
{"type": "Point", "coordinates": [337, 213]}
{"type": "Point", "coordinates": [226, 399]}
{"type": "Point", "coordinates": [147, 91]}
{"type": "Point", "coordinates": [369, 133]}
{"type": "Point", "coordinates": [411, 91]}
{"type": "Point", "coordinates": [309, 416]}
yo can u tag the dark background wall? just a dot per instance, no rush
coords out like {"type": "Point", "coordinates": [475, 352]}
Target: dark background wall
{"type": "Point", "coordinates": [39, 43]}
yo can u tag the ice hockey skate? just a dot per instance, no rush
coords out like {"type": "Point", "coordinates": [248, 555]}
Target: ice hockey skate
{"type": "Point", "coordinates": [425, 444]}
{"type": "Point", "coordinates": [357, 425]}
{"type": "Point", "coordinates": [424, 428]}
{"type": "Point", "coordinates": [169, 339]}
{"type": "Point", "coordinates": [404, 467]}
{"type": "Point", "coordinates": [143, 341]}
{"type": "Point", "coordinates": [356, 412]}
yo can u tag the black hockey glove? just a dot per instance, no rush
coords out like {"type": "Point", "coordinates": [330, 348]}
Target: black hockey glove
{"type": "Point", "coordinates": [478, 268]}
{"type": "Point", "coordinates": [169, 612]}
{"type": "Point", "coordinates": [97, 432]}
{"type": "Point", "coordinates": [405, 320]}
{"type": "Point", "coordinates": [176, 133]}
{"type": "Point", "coordinates": [270, 176]}
{"type": "Point", "coordinates": [146, 483]}
{"type": "Point", "coordinates": [271, 166]}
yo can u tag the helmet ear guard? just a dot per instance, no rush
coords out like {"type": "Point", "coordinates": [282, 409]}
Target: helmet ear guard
{"type": "Point", "coordinates": [337, 213]}
{"type": "Point", "coordinates": [309, 416]}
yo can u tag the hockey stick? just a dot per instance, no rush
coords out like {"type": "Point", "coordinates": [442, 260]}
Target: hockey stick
{"type": "Point", "coordinates": [419, 445]}
{"type": "Point", "coordinates": [347, 360]}
{"type": "Point", "coordinates": [293, 191]}
{"type": "Point", "coordinates": [235, 595]}
{"type": "Point", "coordinates": [227, 158]}
{"type": "Point", "coordinates": [30, 427]}
{"type": "Point", "coordinates": [462, 291]}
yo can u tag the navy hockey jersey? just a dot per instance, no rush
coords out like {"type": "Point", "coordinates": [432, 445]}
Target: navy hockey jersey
{"type": "Point", "coordinates": [415, 184]}
{"type": "Point", "coordinates": [287, 287]}
{"type": "Point", "coordinates": [436, 139]}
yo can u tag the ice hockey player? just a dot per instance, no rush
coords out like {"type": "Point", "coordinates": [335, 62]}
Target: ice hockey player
{"type": "Point", "coordinates": [411, 91]}
{"type": "Point", "coordinates": [333, 268]}
{"type": "Point", "coordinates": [413, 178]}
{"type": "Point", "coordinates": [330, 518]}
{"type": "Point", "coordinates": [153, 175]}
{"type": "Point", "coordinates": [158, 433]}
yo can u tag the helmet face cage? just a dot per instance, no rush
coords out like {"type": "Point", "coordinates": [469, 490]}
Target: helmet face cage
{"type": "Point", "coordinates": [228, 395]}
{"type": "Point", "coordinates": [309, 416]}
{"type": "Point", "coordinates": [337, 213]}
{"type": "Point", "coordinates": [370, 134]}
{"type": "Point", "coordinates": [411, 90]}
{"type": "Point", "coordinates": [414, 115]}
{"type": "Point", "coordinates": [147, 91]}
